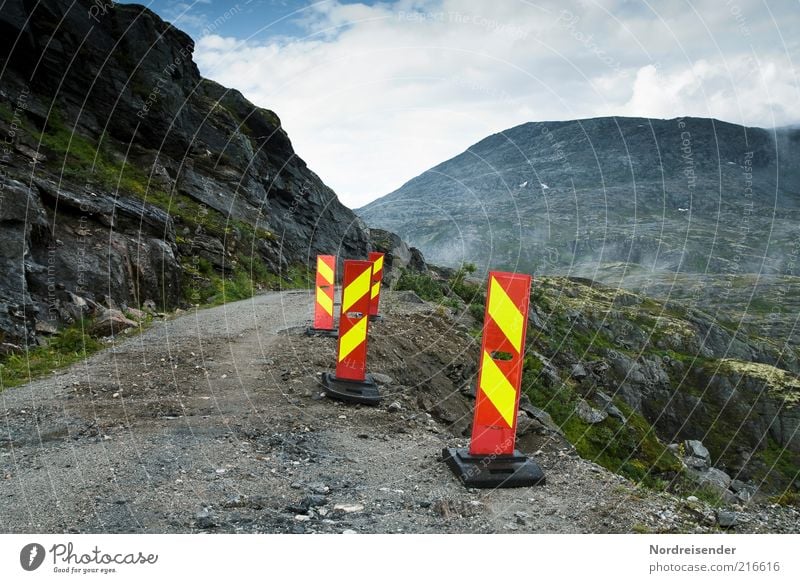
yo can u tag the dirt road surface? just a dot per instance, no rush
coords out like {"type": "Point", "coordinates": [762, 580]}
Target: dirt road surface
{"type": "Point", "coordinates": [214, 421]}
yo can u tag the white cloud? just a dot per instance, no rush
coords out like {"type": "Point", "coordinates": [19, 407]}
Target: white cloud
{"type": "Point", "coordinates": [742, 91]}
{"type": "Point", "coordinates": [377, 94]}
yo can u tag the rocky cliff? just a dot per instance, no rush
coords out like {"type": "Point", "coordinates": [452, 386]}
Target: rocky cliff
{"type": "Point", "coordinates": [128, 179]}
{"type": "Point", "coordinates": [659, 392]}
{"type": "Point", "coordinates": [686, 374]}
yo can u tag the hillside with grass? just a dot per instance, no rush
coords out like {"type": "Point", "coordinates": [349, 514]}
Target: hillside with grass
{"type": "Point", "coordinates": [628, 380]}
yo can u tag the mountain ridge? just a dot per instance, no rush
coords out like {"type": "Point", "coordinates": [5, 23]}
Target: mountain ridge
{"type": "Point", "coordinates": [627, 201]}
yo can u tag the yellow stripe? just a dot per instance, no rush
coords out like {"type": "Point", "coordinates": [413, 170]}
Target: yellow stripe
{"type": "Point", "coordinates": [497, 389]}
{"type": "Point", "coordinates": [377, 265]}
{"type": "Point", "coordinates": [325, 301]}
{"type": "Point", "coordinates": [376, 289]}
{"type": "Point", "coordinates": [506, 314]}
{"type": "Point", "coordinates": [356, 290]}
{"type": "Point", "coordinates": [325, 271]}
{"type": "Point", "coordinates": [353, 338]}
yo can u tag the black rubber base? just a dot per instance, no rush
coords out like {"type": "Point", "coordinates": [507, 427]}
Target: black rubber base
{"type": "Point", "coordinates": [489, 471]}
{"type": "Point", "coordinates": [365, 392]}
{"type": "Point", "coordinates": [310, 331]}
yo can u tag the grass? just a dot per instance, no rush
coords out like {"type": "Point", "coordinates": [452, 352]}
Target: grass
{"type": "Point", "coordinates": [455, 293]}
{"type": "Point", "coordinates": [96, 163]}
{"type": "Point", "coordinates": [85, 161]}
{"type": "Point", "coordinates": [421, 284]}
{"type": "Point", "coordinates": [787, 498]}
{"type": "Point", "coordinates": [780, 468]}
{"type": "Point", "coordinates": [70, 345]}
{"type": "Point", "coordinates": [631, 449]}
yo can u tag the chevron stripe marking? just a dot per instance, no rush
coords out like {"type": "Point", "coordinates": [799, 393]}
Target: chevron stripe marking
{"type": "Point", "coordinates": [506, 315]}
{"type": "Point", "coordinates": [325, 271]}
{"type": "Point", "coordinates": [497, 389]}
{"type": "Point", "coordinates": [356, 290]}
{"type": "Point", "coordinates": [325, 301]}
{"type": "Point", "coordinates": [353, 338]}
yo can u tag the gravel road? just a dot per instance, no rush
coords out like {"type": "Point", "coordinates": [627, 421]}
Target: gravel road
{"type": "Point", "coordinates": [213, 421]}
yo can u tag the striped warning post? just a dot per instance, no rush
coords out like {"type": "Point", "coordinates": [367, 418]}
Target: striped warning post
{"type": "Point", "coordinates": [500, 374]}
{"type": "Point", "coordinates": [351, 382]}
{"type": "Point", "coordinates": [323, 304]}
{"type": "Point", "coordinates": [377, 278]}
{"type": "Point", "coordinates": [351, 358]}
{"type": "Point", "coordinates": [491, 460]}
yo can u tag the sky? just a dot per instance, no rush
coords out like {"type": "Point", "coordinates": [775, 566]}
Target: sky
{"type": "Point", "coordinates": [375, 93]}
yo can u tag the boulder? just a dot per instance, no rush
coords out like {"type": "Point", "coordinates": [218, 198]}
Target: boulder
{"type": "Point", "coordinates": [712, 477]}
{"type": "Point", "coordinates": [397, 254]}
{"type": "Point", "coordinates": [606, 404]}
{"type": "Point", "coordinates": [110, 323]}
{"type": "Point", "coordinates": [589, 414]}
{"type": "Point", "coordinates": [539, 415]}
{"type": "Point", "coordinates": [695, 448]}
{"type": "Point", "coordinates": [578, 372]}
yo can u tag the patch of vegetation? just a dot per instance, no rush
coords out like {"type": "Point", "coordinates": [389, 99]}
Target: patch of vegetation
{"type": "Point", "coordinates": [422, 284]}
{"type": "Point", "coordinates": [6, 112]}
{"type": "Point", "coordinates": [787, 498]}
{"type": "Point", "coordinates": [779, 467]}
{"type": "Point", "coordinates": [84, 161]}
{"type": "Point", "coordinates": [630, 449]}
{"type": "Point", "coordinates": [67, 347]}
{"type": "Point", "coordinates": [206, 287]}
{"type": "Point", "coordinates": [457, 292]}
{"type": "Point", "coordinates": [539, 297]}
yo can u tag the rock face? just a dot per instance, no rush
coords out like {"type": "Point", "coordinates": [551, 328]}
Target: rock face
{"type": "Point", "coordinates": [397, 254]}
{"type": "Point", "coordinates": [603, 355]}
{"type": "Point", "coordinates": [127, 175]}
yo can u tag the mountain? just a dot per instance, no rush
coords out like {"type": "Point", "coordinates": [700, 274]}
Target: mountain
{"type": "Point", "coordinates": [627, 201]}
{"type": "Point", "coordinates": [128, 180]}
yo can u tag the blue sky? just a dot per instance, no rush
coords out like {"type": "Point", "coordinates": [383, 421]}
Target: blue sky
{"type": "Point", "coordinates": [254, 20]}
{"type": "Point", "coordinates": [374, 93]}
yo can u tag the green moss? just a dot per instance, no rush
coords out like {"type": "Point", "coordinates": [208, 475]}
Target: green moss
{"type": "Point", "coordinates": [779, 467]}
{"type": "Point", "coordinates": [69, 346]}
{"type": "Point", "coordinates": [631, 449]}
{"type": "Point", "coordinates": [787, 498]}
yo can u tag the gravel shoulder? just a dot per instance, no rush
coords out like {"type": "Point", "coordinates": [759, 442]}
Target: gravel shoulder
{"type": "Point", "coordinates": [214, 421]}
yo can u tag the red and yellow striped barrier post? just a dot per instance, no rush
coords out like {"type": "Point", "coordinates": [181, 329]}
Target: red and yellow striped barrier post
{"type": "Point", "coordinates": [492, 460]}
{"type": "Point", "coordinates": [377, 279]}
{"type": "Point", "coordinates": [351, 381]}
{"type": "Point", "coordinates": [323, 298]}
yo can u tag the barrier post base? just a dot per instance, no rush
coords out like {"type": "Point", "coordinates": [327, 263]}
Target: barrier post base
{"type": "Point", "coordinates": [364, 392]}
{"type": "Point", "coordinates": [311, 331]}
{"type": "Point", "coordinates": [493, 471]}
